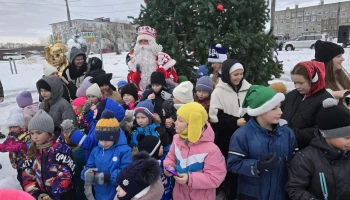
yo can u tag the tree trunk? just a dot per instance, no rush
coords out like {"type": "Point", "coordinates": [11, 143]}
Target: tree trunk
{"type": "Point", "coordinates": [116, 49]}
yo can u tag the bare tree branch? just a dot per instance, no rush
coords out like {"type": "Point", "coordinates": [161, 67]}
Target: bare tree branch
{"type": "Point", "coordinates": [114, 32]}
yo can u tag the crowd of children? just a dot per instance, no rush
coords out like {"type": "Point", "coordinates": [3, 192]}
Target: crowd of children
{"type": "Point", "coordinates": [192, 140]}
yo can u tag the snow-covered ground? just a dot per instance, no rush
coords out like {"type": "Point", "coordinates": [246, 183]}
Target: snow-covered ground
{"type": "Point", "coordinates": [30, 71]}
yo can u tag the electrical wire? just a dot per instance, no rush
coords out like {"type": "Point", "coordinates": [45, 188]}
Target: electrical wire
{"type": "Point", "coordinates": [52, 4]}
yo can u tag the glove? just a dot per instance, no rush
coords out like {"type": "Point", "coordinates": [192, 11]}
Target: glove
{"type": "Point", "coordinates": [87, 106]}
{"type": "Point", "coordinates": [67, 126]}
{"type": "Point", "coordinates": [14, 148]}
{"type": "Point", "coordinates": [102, 178]}
{"type": "Point", "coordinates": [165, 95]}
{"type": "Point", "coordinates": [89, 175]}
{"type": "Point", "coordinates": [268, 162]}
{"type": "Point", "coordinates": [44, 197]}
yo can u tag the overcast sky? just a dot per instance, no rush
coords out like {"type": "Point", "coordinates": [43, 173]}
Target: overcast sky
{"type": "Point", "coordinates": [28, 20]}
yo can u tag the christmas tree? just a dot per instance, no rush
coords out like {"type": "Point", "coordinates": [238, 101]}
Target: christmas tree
{"type": "Point", "coordinates": [186, 29]}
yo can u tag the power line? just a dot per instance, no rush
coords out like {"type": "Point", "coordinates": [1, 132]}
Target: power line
{"type": "Point", "coordinates": [109, 5]}
{"type": "Point", "coordinates": [42, 4]}
{"type": "Point", "coordinates": [108, 12]}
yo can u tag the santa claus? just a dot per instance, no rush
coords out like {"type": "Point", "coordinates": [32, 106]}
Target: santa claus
{"type": "Point", "coordinates": [147, 58]}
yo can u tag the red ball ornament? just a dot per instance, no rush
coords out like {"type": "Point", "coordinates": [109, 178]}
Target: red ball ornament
{"type": "Point", "coordinates": [220, 7]}
{"type": "Point", "coordinates": [145, 1]}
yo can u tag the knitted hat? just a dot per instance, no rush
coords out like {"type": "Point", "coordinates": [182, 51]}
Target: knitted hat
{"type": "Point", "coordinates": [196, 117]}
{"type": "Point", "coordinates": [326, 51]}
{"type": "Point", "coordinates": [146, 33]}
{"type": "Point", "coordinates": [217, 54]}
{"type": "Point", "coordinates": [261, 99]}
{"type": "Point", "coordinates": [12, 194]}
{"type": "Point", "coordinates": [136, 178]}
{"type": "Point", "coordinates": [80, 101]}
{"type": "Point", "coordinates": [158, 78]}
{"type": "Point", "coordinates": [94, 90]}
{"type": "Point", "coordinates": [184, 92]}
{"type": "Point", "coordinates": [81, 91]}
{"type": "Point", "coordinates": [42, 84]}
{"type": "Point", "coordinates": [205, 84]}
{"type": "Point", "coordinates": [24, 99]}
{"type": "Point", "coordinates": [107, 128]}
{"type": "Point", "coordinates": [121, 83]}
{"type": "Point", "coordinates": [168, 106]}
{"type": "Point", "coordinates": [49, 69]}
{"type": "Point", "coordinates": [103, 79]}
{"type": "Point", "coordinates": [279, 87]}
{"type": "Point", "coordinates": [145, 107]}
{"type": "Point", "coordinates": [16, 118]}
{"type": "Point", "coordinates": [130, 89]}
{"type": "Point", "coordinates": [42, 122]}
{"type": "Point", "coordinates": [182, 78]}
{"type": "Point", "coordinates": [149, 143]}
{"type": "Point", "coordinates": [202, 71]}
{"type": "Point", "coordinates": [334, 120]}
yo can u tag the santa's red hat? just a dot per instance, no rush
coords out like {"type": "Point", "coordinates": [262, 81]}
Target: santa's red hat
{"type": "Point", "coordinates": [147, 33]}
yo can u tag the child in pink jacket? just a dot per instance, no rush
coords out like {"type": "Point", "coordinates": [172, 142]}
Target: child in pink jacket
{"type": "Point", "coordinates": [194, 156]}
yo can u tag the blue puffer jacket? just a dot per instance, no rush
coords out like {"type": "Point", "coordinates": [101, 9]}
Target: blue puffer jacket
{"type": "Point", "coordinates": [110, 161]}
{"type": "Point", "coordinates": [88, 142]}
{"type": "Point", "coordinates": [248, 144]}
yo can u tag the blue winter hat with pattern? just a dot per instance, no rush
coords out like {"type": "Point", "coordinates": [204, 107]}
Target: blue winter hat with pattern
{"type": "Point", "coordinates": [145, 107]}
{"type": "Point", "coordinates": [121, 83]}
{"type": "Point", "coordinates": [202, 71]}
{"type": "Point", "coordinates": [205, 84]}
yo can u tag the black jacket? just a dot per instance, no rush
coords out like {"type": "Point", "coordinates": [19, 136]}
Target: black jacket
{"type": "Point", "coordinates": [71, 72]}
{"type": "Point", "coordinates": [305, 168]}
{"type": "Point", "coordinates": [301, 114]}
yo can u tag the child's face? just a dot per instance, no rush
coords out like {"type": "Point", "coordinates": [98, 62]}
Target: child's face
{"type": "Point", "coordinates": [106, 144]}
{"type": "Point", "coordinates": [127, 98]}
{"type": "Point", "coordinates": [120, 192]}
{"type": "Point", "coordinates": [236, 77]}
{"type": "Point", "coordinates": [202, 95]}
{"type": "Point", "coordinates": [340, 143]}
{"type": "Point", "coordinates": [176, 101]}
{"type": "Point", "coordinates": [273, 116]}
{"type": "Point", "coordinates": [301, 84]}
{"type": "Point", "coordinates": [14, 129]}
{"type": "Point", "coordinates": [180, 125]}
{"type": "Point", "coordinates": [142, 120]}
{"type": "Point", "coordinates": [104, 88]}
{"type": "Point", "coordinates": [93, 99]}
{"type": "Point", "coordinates": [156, 87]}
{"type": "Point", "coordinates": [39, 137]}
{"type": "Point", "coordinates": [45, 94]}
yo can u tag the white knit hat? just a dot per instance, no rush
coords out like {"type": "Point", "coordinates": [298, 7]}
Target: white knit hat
{"type": "Point", "coordinates": [94, 90]}
{"type": "Point", "coordinates": [49, 69]}
{"type": "Point", "coordinates": [184, 93]}
{"type": "Point", "coordinates": [16, 118]}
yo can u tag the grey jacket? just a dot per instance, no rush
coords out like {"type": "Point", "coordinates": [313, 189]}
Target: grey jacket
{"type": "Point", "coordinates": [59, 108]}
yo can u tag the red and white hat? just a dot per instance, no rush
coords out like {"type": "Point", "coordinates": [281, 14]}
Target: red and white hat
{"type": "Point", "coordinates": [147, 33]}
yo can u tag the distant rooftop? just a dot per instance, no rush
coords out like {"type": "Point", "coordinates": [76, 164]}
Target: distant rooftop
{"type": "Point", "coordinates": [100, 19]}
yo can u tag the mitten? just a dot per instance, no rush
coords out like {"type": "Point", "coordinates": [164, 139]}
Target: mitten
{"type": "Point", "coordinates": [86, 107]}
{"type": "Point", "coordinates": [67, 126]}
{"type": "Point", "coordinates": [165, 95]}
{"type": "Point", "coordinates": [89, 175]}
{"type": "Point", "coordinates": [14, 148]}
{"type": "Point", "coordinates": [102, 178]}
{"type": "Point", "coordinates": [268, 162]}
{"type": "Point", "coordinates": [44, 197]}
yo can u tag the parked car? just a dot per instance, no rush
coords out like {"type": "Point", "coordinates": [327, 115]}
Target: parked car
{"type": "Point", "coordinates": [13, 56]}
{"type": "Point", "coordinates": [304, 41]}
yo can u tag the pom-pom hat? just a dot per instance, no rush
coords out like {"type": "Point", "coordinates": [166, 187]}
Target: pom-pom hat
{"type": "Point", "coordinates": [107, 128]}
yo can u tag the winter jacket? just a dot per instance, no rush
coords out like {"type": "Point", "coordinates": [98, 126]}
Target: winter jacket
{"type": "Point", "coordinates": [154, 193]}
{"type": "Point", "coordinates": [155, 130]}
{"type": "Point", "coordinates": [158, 101]}
{"type": "Point", "coordinates": [202, 161]}
{"type": "Point", "coordinates": [167, 182]}
{"type": "Point", "coordinates": [69, 91]}
{"type": "Point", "coordinates": [59, 109]}
{"type": "Point", "coordinates": [113, 95]}
{"type": "Point", "coordinates": [72, 72]}
{"type": "Point", "coordinates": [88, 142]}
{"type": "Point", "coordinates": [248, 144]}
{"type": "Point", "coordinates": [109, 161]}
{"type": "Point", "coordinates": [50, 171]}
{"type": "Point", "coordinates": [307, 165]}
{"type": "Point", "coordinates": [21, 142]}
{"type": "Point", "coordinates": [300, 113]}
{"type": "Point", "coordinates": [300, 110]}
{"type": "Point", "coordinates": [225, 110]}
{"type": "Point", "coordinates": [205, 103]}
{"type": "Point", "coordinates": [1, 90]}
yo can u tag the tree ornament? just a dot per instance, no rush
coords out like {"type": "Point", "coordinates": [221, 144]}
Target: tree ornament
{"type": "Point", "coordinates": [145, 1]}
{"type": "Point", "coordinates": [220, 7]}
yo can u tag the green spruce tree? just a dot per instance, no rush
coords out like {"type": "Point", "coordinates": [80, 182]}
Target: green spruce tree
{"type": "Point", "coordinates": [194, 25]}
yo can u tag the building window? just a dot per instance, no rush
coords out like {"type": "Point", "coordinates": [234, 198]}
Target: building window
{"type": "Point", "coordinates": [343, 14]}
{"type": "Point", "coordinates": [343, 21]}
{"type": "Point", "coordinates": [287, 16]}
{"type": "Point", "coordinates": [282, 17]}
{"type": "Point", "coordinates": [293, 20]}
{"type": "Point", "coordinates": [306, 19]}
{"type": "Point", "coordinates": [300, 14]}
{"type": "Point", "coordinates": [282, 22]}
{"type": "Point", "coordinates": [325, 17]}
{"type": "Point", "coordinates": [306, 30]}
{"type": "Point", "coordinates": [314, 12]}
{"type": "Point", "coordinates": [306, 24]}
{"type": "Point", "coordinates": [334, 9]}
{"type": "Point", "coordinates": [326, 10]}
{"type": "Point", "coordinates": [293, 15]}
{"type": "Point", "coordinates": [299, 25]}
{"type": "Point", "coordinates": [319, 24]}
{"type": "Point", "coordinates": [313, 18]}
{"type": "Point", "coordinates": [300, 19]}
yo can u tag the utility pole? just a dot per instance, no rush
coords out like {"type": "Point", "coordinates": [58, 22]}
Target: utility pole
{"type": "Point", "coordinates": [273, 10]}
{"type": "Point", "coordinates": [68, 14]}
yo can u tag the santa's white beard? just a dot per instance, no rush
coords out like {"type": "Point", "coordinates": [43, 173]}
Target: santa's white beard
{"type": "Point", "coordinates": [145, 56]}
